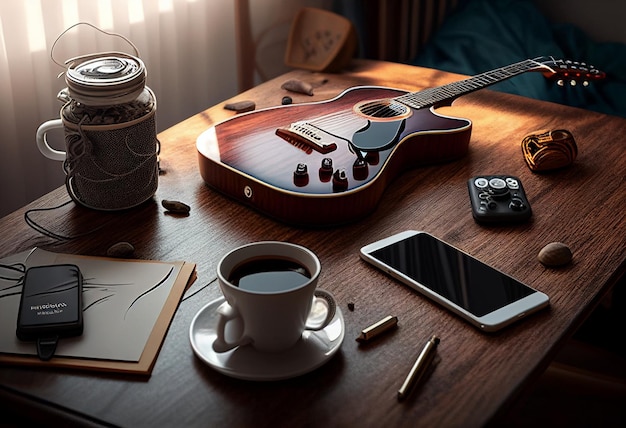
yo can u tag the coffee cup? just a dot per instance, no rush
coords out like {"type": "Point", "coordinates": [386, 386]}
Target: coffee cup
{"type": "Point", "coordinates": [271, 297]}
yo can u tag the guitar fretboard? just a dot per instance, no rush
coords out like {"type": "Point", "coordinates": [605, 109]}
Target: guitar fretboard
{"type": "Point", "coordinates": [446, 93]}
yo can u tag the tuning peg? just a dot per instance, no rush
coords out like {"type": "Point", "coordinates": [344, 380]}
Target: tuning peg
{"type": "Point", "coordinates": [560, 82]}
{"type": "Point", "coordinates": [572, 82]}
{"type": "Point", "coordinates": [585, 83]}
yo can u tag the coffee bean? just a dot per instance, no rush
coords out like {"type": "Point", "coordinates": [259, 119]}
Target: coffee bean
{"type": "Point", "coordinates": [175, 206]}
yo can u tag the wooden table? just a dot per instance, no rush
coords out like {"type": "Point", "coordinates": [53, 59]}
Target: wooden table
{"type": "Point", "coordinates": [477, 376]}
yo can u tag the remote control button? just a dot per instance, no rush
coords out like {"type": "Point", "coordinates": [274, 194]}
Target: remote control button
{"type": "Point", "coordinates": [512, 183]}
{"type": "Point", "coordinates": [497, 183]}
{"type": "Point", "coordinates": [517, 204]}
{"type": "Point", "coordinates": [481, 183]}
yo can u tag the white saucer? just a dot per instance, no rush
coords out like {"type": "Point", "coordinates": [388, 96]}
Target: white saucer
{"type": "Point", "coordinates": [245, 362]}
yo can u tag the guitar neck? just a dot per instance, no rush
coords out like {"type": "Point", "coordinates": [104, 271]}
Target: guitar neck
{"type": "Point", "coordinates": [447, 93]}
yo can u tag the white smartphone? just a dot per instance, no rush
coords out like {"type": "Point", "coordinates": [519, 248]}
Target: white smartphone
{"type": "Point", "coordinates": [480, 294]}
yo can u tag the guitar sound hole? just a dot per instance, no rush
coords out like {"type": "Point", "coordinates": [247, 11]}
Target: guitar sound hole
{"type": "Point", "coordinates": [383, 109]}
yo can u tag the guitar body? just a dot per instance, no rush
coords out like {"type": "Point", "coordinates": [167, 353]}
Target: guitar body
{"type": "Point", "coordinates": [263, 160]}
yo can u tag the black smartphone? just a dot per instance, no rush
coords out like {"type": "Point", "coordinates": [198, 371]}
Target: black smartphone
{"type": "Point", "coordinates": [480, 294]}
{"type": "Point", "coordinates": [51, 303]}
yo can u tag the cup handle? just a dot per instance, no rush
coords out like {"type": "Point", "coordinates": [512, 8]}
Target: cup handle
{"type": "Point", "coordinates": [322, 310]}
{"type": "Point", "coordinates": [227, 313]}
{"type": "Point", "coordinates": [42, 140]}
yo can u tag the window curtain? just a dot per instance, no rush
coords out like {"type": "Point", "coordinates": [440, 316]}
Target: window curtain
{"type": "Point", "coordinates": [188, 47]}
{"type": "Point", "coordinates": [395, 30]}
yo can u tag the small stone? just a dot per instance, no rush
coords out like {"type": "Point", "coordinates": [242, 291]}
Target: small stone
{"type": "Point", "coordinates": [241, 106]}
{"type": "Point", "coordinates": [175, 206]}
{"type": "Point", "coordinates": [286, 101]}
{"type": "Point", "coordinates": [555, 254]}
{"type": "Point", "coordinates": [295, 85]}
{"type": "Point", "coordinates": [121, 249]}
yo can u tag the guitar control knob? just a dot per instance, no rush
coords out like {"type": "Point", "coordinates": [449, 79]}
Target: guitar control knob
{"type": "Point", "coordinates": [360, 169]}
{"type": "Point", "coordinates": [372, 158]}
{"type": "Point", "coordinates": [340, 180]}
{"type": "Point", "coordinates": [301, 175]}
{"type": "Point", "coordinates": [326, 170]}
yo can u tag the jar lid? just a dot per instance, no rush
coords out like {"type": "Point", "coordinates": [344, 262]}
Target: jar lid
{"type": "Point", "coordinates": [105, 79]}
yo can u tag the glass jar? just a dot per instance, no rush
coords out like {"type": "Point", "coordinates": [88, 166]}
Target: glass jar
{"type": "Point", "coordinates": [109, 120]}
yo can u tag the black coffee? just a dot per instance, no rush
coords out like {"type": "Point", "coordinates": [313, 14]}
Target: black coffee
{"type": "Point", "coordinates": [269, 275]}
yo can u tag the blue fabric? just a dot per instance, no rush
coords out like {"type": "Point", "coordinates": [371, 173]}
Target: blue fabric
{"type": "Point", "coordinates": [484, 35]}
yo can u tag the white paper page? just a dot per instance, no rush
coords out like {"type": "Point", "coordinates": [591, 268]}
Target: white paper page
{"type": "Point", "coordinates": [121, 302]}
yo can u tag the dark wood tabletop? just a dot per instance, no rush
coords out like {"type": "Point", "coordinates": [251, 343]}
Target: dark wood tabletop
{"type": "Point", "coordinates": [476, 376]}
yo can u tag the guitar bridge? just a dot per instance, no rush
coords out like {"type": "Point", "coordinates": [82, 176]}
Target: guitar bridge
{"type": "Point", "coordinates": [307, 137]}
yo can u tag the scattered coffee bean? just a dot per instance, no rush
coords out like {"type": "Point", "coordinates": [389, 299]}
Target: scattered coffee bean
{"type": "Point", "coordinates": [175, 206]}
{"type": "Point", "coordinates": [121, 249]}
{"type": "Point", "coordinates": [555, 254]}
{"type": "Point", "coordinates": [295, 85]}
{"type": "Point", "coordinates": [241, 106]}
{"type": "Point", "coordinates": [351, 306]}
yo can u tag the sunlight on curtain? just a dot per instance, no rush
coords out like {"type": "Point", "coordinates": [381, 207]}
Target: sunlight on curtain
{"type": "Point", "coordinates": [34, 26]}
{"type": "Point", "coordinates": [188, 47]}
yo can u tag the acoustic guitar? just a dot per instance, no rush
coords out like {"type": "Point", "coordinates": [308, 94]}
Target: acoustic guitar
{"type": "Point", "coordinates": [328, 163]}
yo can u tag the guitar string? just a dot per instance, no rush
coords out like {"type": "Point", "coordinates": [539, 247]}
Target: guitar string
{"type": "Point", "coordinates": [455, 89]}
{"type": "Point", "coordinates": [332, 119]}
{"type": "Point", "coordinates": [430, 96]}
{"type": "Point", "coordinates": [377, 108]}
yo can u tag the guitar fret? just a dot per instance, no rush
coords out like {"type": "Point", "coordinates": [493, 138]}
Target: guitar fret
{"type": "Point", "coordinates": [447, 93]}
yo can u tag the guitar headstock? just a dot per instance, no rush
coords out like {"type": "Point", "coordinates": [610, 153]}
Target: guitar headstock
{"type": "Point", "coordinates": [572, 72]}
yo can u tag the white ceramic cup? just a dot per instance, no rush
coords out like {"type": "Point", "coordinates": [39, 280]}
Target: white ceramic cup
{"type": "Point", "coordinates": [270, 321]}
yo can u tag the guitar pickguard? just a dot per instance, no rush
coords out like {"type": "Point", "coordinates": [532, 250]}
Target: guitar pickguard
{"type": "Point", "coordinates": [378, 136]}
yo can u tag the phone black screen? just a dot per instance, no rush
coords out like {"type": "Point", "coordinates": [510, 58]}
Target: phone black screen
{"type": "Point", "coordinates": [469, 283]}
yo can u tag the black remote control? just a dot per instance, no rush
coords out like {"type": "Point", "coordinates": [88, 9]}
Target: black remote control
{"type": "Point", "coordinates": [498, 199]}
